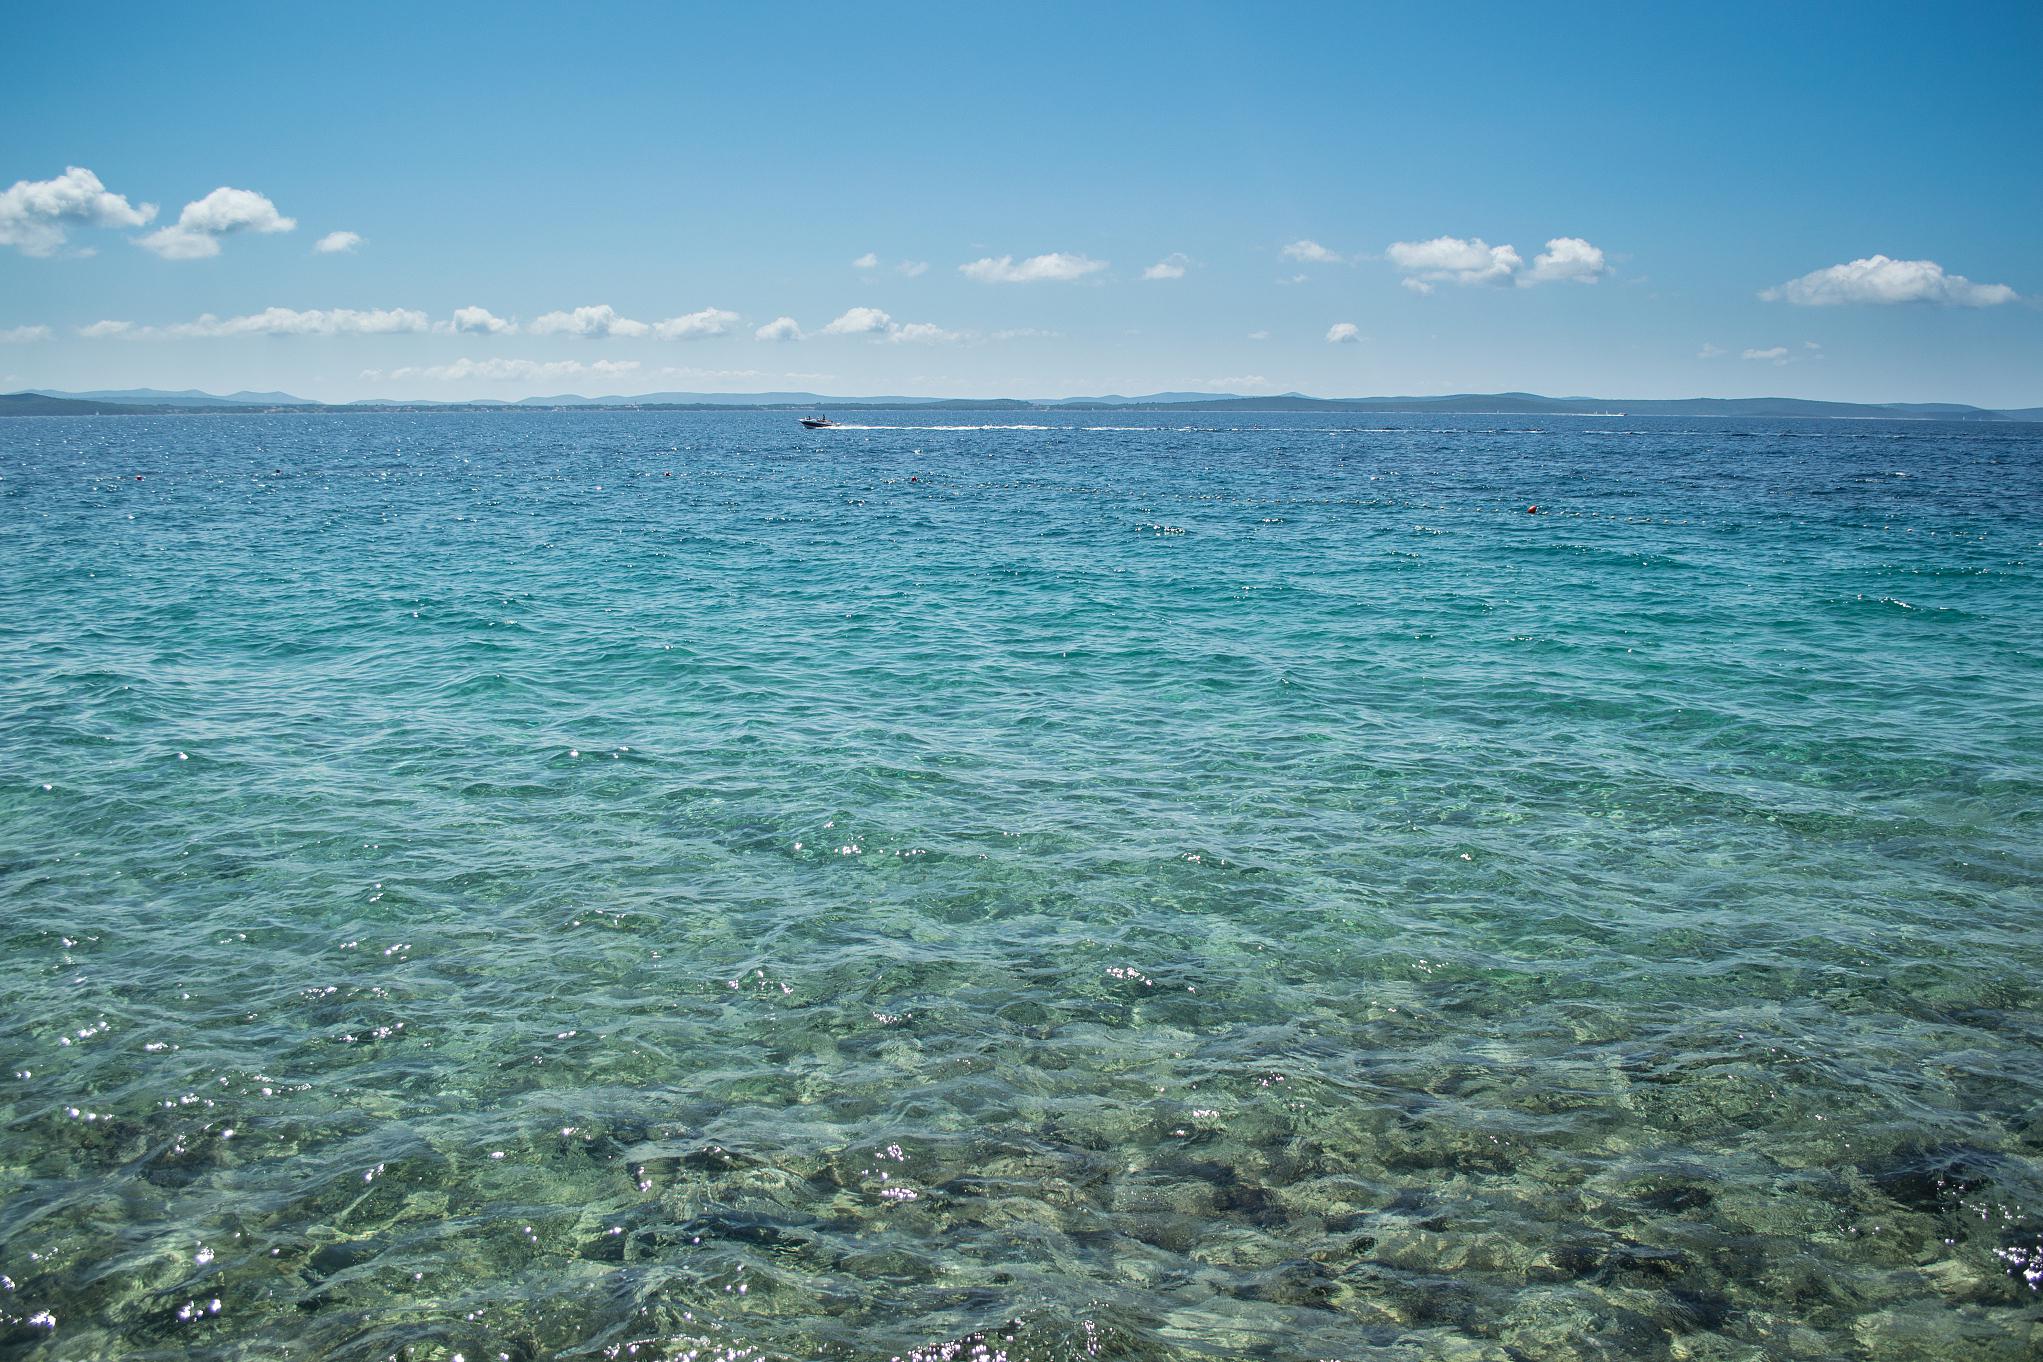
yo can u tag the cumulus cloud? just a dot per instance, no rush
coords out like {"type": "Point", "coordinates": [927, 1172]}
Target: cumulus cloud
{"type": "Point", "coordinates": [22, 335]}
{"type": "Point", "coordinates": [1777, 353]}
{"type": "Point", "coordinates": [859, 321]}
{"type": "Point", "coordinates": [274, 321]}
{"type": "Point", "coordinates": [1056, 267]}
{"type": "Point", "coordinates": [505, 370]}
{"type": "Point", "coordinates": [1259, 335]}
{"type": "Point", "coordinates": [337, 243]}
{"type": "Point", "coordinates": [711, 321]}
{"type": "Point", "coordinates": [1567, 258]}
{"type": "Point", "coordinates": [1471, 260]}
{"type": "Point", "coordinates": [1451, 258]}
{"type": "Point", "coordinates": [779, 329]}
{"type": "Point", "coordinates": [35, 214]}
{"type": "Point", "coordinates": [594, 323]}
{"type": "Point", "coordinates": [911, 268]}
{"type": "Point", "coordinates": [196, 233]}
{"type": "Point", "coordinates": [868, 261]}
{"type": "Point", "coordinates": [1309, 252]}
{"type": "Point", "coordinates": [870, 321]}
{"type": "Point", "coordinates": [1343, 333]}
{"type": "Point", "coordinates": [1878, 279]}
{"type": "Point", "coordinates": [1171, 266]}
{"type": "Point", "coordinates": [480, 319]}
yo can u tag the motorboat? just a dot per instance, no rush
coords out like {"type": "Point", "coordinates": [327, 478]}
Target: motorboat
{"type": "Point", "coordinates": [818, 422]}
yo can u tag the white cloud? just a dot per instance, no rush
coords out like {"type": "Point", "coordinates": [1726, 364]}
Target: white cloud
{"type": "Point", "coordinates": [282, 321]}
{"type": "Point", "coordinates": [22, 335]}
{"type": "Point", "coordinates": [925, 333]}
{"type": "Point", "coordinates": [911, 268]}
{"type": "Point", "coordinates": [595, 323]}
{"type": "Point", "coordinates": [1710, 351]}
{"type": "Point", "coordinates": [196, 233]}
{"type": "Point", "coordinates": [337, 243]}
{"type": "Point", "coordinates": [1294, 279]}
{"type": "Point", "coordinates": [1025, 333]}
{"type": "Point", "coordinates": [1309, 252]}
{"type": "Point", "coordinates": [507, 370]}
{"type": "Point", "coordinates": [1057, 267]}
{"type": "Point", "coordinates": [711, 321]}
{"type": "Point", "coordinates": [275, 321]}
{"type": "Point", "coordinates": [870, 321]}
{"type": "Point", "coordinates": [1878, 279]}
{"type": "Point", "coordinates": [859, 321]}
{"type": "Point", "coordinates": [868, 261]}
{"type": "Point", "coordinates": [1567, 258]}
{"type": "Point", "coordinates": [481, 319]}
{"type": "Point", "coordinates": [34, 214]}
{"type": "Point", "coordinates": [1258, 335]}
{"type": "Point", "coordinates": [1471, 260]}
{"type": "Point", "coordinates": [712, 375]}
{"type": "Point", "coordinates": [780, 329]}
{"type": "Point", "coordinates": [1343, 333]}
{"type": "Point", "coordinates": [1453, 259]}
{"type": "Point", "coordinates": [1171, 266]}
{"type": "Point", "coordinates": [1781, 354]}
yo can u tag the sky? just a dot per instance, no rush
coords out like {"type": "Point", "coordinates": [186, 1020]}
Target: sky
{"type": "Point", "coordinates": [451, 201]}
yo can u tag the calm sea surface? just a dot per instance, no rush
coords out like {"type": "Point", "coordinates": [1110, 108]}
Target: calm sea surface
{"type": "Point", "coordinates": [674, 886]}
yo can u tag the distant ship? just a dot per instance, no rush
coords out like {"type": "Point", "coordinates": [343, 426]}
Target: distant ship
{"type": "Point", "coordinates": [818, 422]}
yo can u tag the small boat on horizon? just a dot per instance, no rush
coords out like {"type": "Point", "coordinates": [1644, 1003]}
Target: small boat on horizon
{"type": "Point", "coordinates": [818, 422]}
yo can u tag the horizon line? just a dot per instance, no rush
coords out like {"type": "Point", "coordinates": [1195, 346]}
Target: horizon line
{"type": "Point", "coordinates": [144, 399]}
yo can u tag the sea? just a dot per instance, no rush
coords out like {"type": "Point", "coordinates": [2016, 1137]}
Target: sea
{"type": "Point", "coordinates": [673, 886]}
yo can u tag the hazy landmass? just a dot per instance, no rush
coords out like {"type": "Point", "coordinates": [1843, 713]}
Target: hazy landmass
{"type": "Point", "coordinates": [147, 401]}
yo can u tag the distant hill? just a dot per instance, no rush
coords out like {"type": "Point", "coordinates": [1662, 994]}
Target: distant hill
{"type": "Point", "coordinates": [188, 397]}
{"type": "Point", "coordinates": [151, 400]}
{"type": "Point", "coordinates": [37, 404]}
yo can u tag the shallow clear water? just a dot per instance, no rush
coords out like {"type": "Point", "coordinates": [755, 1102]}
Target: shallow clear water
{"type": "Point", "coordinates": [673, 885]}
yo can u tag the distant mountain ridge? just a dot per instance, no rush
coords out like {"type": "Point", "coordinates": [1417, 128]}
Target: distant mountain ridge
{"type": "Point", "coordinates": [48, 402]}
{"type": "Point", "coordinates": [187, 397]}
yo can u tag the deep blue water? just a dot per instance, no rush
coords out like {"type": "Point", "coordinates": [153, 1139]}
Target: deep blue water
{"type": "Point", "coordinates": [655, 885]}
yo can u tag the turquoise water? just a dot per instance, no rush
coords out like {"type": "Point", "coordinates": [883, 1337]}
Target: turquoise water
{"type": "Point", "coordinates": [674, 886]}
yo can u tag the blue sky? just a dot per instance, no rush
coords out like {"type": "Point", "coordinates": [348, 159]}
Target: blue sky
{"type": "Point", "coordinates": [1610, 200]}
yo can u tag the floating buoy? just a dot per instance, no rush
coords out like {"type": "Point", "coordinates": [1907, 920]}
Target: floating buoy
{"type": "Point", "coordinates": [1532, 510]}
